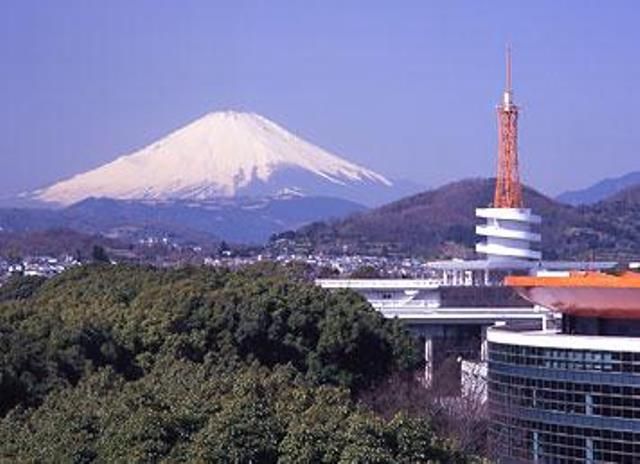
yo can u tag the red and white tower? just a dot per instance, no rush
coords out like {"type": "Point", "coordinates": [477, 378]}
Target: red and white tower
{"type": "Point", "coordinates": [508, 189]}
{"type": "Point", "coordinates": [507, 233]}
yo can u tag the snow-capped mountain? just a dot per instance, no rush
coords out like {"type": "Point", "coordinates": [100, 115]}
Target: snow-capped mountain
{"type": "Point", "coordinates": [224, 154]}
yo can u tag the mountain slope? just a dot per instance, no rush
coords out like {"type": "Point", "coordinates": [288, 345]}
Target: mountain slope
{"type": "Point", "coordinates": [441, 222]}
{"type": "Point", "coordinates": [56, 242]}
{"type": "Point", "coordinates": [223, 154]}
{"type": "Point", "coordinates": [600, 190]}
{"type": "Point", "coordinates": [627, 196]}
{"type": "Point", "coordinates": [235, 220]}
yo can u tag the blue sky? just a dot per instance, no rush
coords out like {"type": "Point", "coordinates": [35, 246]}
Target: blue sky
{"type": "Point", "coordinates": [408, 88]}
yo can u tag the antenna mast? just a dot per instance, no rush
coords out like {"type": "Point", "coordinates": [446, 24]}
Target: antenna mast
{"type": "Point", "coordinates": [508, 188]}
{"type": "Point", "coordinates": [508, 79]}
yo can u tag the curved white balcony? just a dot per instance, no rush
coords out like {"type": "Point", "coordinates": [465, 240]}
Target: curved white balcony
{"type": "Point", "coordinates": [493, 249]}
{"type": "Point", "coordinates": [493, 231]}
{"type": "Point", "coordinates": [509, 214]}
{"type": "Point", "coordinates": [507, 233]}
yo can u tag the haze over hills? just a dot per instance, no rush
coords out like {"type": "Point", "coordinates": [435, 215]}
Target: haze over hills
{"type": "Point", "coordinates": [432, 224]}
{"type": "Point", "coordinates": [441, 223]}
{"type": "Point", "coordinates": [601, 190]}
{"type": "Point", "coordinates": [224, 155]}
{"type": "Point", "coordinates": [243, 220]}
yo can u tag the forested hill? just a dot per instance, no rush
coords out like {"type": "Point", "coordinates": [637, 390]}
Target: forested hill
{"type": "Point", "coordinates": [629, 196]}
{"type": "Point", "coordinates": [441, 223]}
{"type": "Point", "coordinates": [128, 364]}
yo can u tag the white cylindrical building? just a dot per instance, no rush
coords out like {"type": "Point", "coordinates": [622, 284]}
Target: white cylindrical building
{"type": "Point", "coordinates": [508, 234]}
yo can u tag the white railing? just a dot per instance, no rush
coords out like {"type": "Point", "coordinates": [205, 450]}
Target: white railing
{"type": "Point", "coordinates": [380, 283]}
{"type": "Point", "coordinates": [464, 314]}
{"type": "Point", "coordinates": [407, 304]}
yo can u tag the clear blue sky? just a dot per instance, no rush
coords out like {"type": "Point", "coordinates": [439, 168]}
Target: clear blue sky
{"type": "Point", "coordinates": [408, 88]}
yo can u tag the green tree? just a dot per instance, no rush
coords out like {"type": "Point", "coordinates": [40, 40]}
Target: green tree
{"type": "Point", "coordinates": [99, 255]}
{"type": "Point", "coordinates": [136, 364]}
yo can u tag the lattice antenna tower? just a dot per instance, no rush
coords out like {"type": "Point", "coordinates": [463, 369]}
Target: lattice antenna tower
{"type": "Point", "coordinates": [508, 188]}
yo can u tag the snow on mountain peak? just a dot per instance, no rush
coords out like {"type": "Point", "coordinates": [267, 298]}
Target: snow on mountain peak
{"type": "Point", "coordinates": [222, 154]}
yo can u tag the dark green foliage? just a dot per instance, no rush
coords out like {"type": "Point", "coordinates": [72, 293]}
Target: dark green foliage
{"type": "Point", "coordinates": [365, 272]}
{"type": "Point", "coordinates": [98, 254]}
{"type": "Point", "coordinates": [130, 364]}
{"type": "Point", "coordinates": [20, 288]}
{"type": "Point", "coordinates": [193, 413]}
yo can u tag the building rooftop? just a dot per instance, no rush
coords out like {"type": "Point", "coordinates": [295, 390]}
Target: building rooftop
{"type": "Point", "coordinates": [559, 340]}
{"type": "Point", "coordinates": [584, 294]}
{"type": "Point", "coordinates": [510, 265]}
{"type": "Point", "coordinates": [380, 283]}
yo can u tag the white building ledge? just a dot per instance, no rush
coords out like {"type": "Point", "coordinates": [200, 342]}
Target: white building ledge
{"type": "Point", "coordinates": [554, 339]}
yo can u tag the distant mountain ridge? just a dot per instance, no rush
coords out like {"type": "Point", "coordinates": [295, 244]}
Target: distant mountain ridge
{"type": "Point", "coordinates": [440, 223]}
{"type": "Point", "coordinates": [237, 220]}
{"type": "Point", "coordinates": [600, 190]}
{"type": "Point", "coordinates": [224, 155]}
{"type": "Point", "coordinates": [57, 242]}
{"type": "Point", "coordinates": [628, 196]}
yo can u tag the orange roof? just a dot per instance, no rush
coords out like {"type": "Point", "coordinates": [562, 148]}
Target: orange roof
{"type": "Point", "coordinates": [577, 279]}
{"type": "Point", "coordinates": [585, 294]}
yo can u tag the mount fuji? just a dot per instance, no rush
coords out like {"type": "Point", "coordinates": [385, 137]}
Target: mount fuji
{"type": "Point", "coordinates": [224, 155]}
{"type": "Point", "coordinates": [228, 175]}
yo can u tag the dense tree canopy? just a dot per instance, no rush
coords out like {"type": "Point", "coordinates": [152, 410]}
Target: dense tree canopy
{"type": "Point", "coordinates": [127, 364]}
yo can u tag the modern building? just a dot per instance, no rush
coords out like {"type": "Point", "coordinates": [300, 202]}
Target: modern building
{"type": "Point", "coordinates": [508, 234]}
{"type": "Point", "coordinates": [450, 321]}
{"type": "Point", "coordinates": [451, 312]}
{"type": "Point", "coordinates": [491, 272]}
{"type": "Point", "coordinates": [569, 394]}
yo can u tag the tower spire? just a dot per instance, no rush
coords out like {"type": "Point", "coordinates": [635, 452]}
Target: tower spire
{"type": "Point", "coordinates": [508, 233]}
{"type": "Point", "coordinates": [508, 192]}
{"type": "Point", "coordinates": [508, 80]}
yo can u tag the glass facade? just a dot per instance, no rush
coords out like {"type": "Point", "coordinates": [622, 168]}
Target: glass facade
{"type": "Point", "coordinates": [562, 405]}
